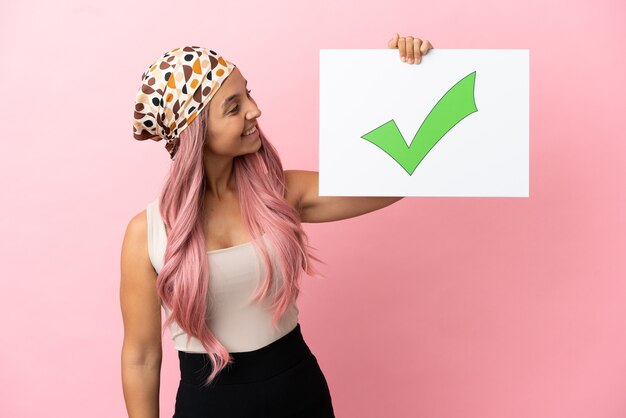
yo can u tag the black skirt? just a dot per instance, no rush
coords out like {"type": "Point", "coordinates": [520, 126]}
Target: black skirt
{"type": "Point", "coordinates": [280, 380]}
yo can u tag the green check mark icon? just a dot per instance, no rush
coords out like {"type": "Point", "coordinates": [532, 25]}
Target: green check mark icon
{"type": "Point", "coordinates": [453, 107]}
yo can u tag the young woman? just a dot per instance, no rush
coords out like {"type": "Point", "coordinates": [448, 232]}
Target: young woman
{"type": "Point", "coordinates": [221, 250]}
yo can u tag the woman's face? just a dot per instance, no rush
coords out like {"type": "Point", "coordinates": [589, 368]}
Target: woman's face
{"type": "Point", "coordinates": [231, 112]}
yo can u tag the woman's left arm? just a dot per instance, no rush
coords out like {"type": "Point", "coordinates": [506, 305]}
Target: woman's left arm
{"type": "Point", "coordinates": [303, 192]}
{"type": "Point", "coordinates": [302, 186]}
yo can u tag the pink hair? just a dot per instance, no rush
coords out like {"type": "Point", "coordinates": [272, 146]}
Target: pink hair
{"type": "Point", "coordinates": [183, 282]}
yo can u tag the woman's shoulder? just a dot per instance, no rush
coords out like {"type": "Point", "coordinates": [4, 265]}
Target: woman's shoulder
{"type": "Point", "coordinates": [135, 244]}
{"type": "Point", "coordinates": [137, 228]}
{"type": "Point", "coordinates": [139, 221]}
{"type": "Point", "coordinates": [302, 188]}
{"type": "Point", "coordinates": [290, 189]}
{"type": "Point", "coordinates": [293, 187]}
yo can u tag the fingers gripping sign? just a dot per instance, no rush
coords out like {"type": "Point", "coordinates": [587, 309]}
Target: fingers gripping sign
{"type": "Point", "coordinates": [411, 49]}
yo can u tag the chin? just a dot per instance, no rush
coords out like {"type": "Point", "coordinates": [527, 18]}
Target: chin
{"type": "Point", "coordinates": [254, 149]}
{"type": "Point", "coordinates": [259, 146]}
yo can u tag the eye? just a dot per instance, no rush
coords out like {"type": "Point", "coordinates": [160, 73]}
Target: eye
{"type": "Point", "coordinates": [237, 107]}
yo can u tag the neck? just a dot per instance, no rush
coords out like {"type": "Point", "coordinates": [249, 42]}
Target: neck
{"type": "Point", "coordinates": [220, 179]}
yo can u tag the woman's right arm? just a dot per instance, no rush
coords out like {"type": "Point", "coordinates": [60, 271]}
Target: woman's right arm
{"type": "Point", "coordinates": [141, 312]}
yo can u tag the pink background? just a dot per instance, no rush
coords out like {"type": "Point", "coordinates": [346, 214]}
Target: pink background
{"type": "Point", "coordinates": [433, 307]}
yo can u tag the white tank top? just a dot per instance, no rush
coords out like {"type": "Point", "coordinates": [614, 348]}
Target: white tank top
{"type": "Point", "coordinates": [235, 272]}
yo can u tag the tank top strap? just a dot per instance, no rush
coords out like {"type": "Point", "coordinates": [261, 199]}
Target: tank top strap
{"type": "Point", "coordinates": [157, 235]}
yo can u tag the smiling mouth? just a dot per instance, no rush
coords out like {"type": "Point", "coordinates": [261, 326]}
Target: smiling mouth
{"type": "Point", "coordinates": [249, 132]}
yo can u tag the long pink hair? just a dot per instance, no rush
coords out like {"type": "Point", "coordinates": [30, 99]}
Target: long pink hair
{"type": "Point", "coordinates": [183, 282]}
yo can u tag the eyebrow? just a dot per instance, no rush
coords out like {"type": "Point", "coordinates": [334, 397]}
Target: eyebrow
{"type": "Point", "coordinates": [229, 98]}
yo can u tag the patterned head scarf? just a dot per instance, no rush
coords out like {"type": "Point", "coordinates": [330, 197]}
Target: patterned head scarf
{"type": "Point", "coordinates": [174, 89]}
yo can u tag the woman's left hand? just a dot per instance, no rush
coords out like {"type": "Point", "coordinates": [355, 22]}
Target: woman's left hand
{"type": "Point", "coordinates": [411, 49]}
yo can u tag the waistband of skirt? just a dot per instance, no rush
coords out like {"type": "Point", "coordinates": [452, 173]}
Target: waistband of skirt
{"type": "Point", "coordinates": [247, 366]}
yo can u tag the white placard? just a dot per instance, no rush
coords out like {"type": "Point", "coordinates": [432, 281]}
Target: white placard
{"type": "Point", "coordinates": [472, 104]}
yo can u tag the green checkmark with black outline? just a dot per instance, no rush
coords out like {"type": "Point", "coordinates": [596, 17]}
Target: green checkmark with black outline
{"type": "Point", "coordinates": [453, 107]}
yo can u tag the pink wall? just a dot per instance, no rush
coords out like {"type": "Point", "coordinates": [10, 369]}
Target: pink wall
{"type": "Point", "coordinates": [433, 307]}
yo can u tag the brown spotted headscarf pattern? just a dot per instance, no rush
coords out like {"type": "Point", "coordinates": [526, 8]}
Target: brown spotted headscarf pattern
{"type": "Point", "coordinates": [174, 89]}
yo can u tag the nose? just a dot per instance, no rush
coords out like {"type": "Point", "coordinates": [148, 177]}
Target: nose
{"type": "Point", "coordinates": [254, 112]}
